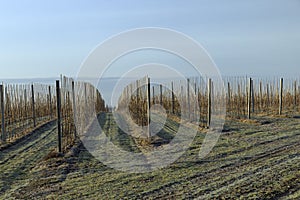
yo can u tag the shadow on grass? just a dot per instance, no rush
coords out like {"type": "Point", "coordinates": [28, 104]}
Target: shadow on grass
{"type": "Point", "coordinates": [23, 156]}
{"type": "Point", "coordinates": [116, 134]}
{"type": "Point", "coordinates": [169, 130]}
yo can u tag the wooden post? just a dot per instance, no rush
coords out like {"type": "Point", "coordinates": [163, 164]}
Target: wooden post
{"type": "Point", "coordinates": [252, 96]}
{"type": "Point", "coordinates": [195, 100]}
{"type": "Point", "coordinates": [85, 121]}
{"type": "Point", "coordinates": [272, 99]}
{"type": "Point", "coordinates": [208, 102]}
{"type": "Point", "coordinates": [240, 104]}
{"type": "Point", "coordinates": [281, 96]}
{"type": "Point", "coordinates": [33, 106]}
{"type": "Point", "coordinates": [153, 96]}
{"type": "Point", "coordinates": [3, 138]}
{"type": "Point", "coordinates": [260, 97]}
{"type": "Point", "coordinates": [149, 99]}
{"type": "Point", "coordinates": [173, 98]}
{"type": "Point", "coordinates": [50, 102]}
{"type": "Point", "coordinates": [161, 100]}
{"type": "Point", "coordinates": [85, 96]}
{"type": "Point", "coordinates": [199, 103]}
{"type": "Point", "coordinates": [188, 99]}
{"type": "Point", "coordinates": [249, 97]}
{"type": "Point", "coordinates": [140, 118]}
{"type": "Point", "coordinates": [74, 108]}
{"type": "Point", "coordinates": [268, 96]}
{"type": "Point", "coordinates": [7, 107]}
{"type": "Point", "coordinates": [295, 95]}
{"type": "Point", "coordinates": [37, 102]}
{"type": "Point", "coordinates": [229, 97]}
{"type": "Point", "coordinates": [183, 112]}
{"type": "Point", "coordinates": [58, 95]}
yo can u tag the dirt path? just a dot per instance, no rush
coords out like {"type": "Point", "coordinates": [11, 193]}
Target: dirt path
{"type": "Point", "coordinates": [17, 160]}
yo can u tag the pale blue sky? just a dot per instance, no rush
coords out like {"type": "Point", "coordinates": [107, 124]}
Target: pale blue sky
{"type": "Point", "coordinates": [47, 38]}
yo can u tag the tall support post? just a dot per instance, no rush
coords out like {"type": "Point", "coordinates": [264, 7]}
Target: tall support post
{"type": "Point", "coordinates": [161, 100]}
{"type": "Point", "coordinates": [260, 97]}
{"type": "Point", "coordinates": [58, 96]}
{"type": "Point", "coordinates": [209, 89]}
{"type": "Point", "coordinates": [229, 97]}
{"type": "Point", "coordinates": [268, 96]}
{"type": "Point", "coordinates": [85, 96]}
{"type": "Point", "coordinates": [3, 138]}
{"type": "Point", "coordinates": [188, 99]}
{"type": "Point", "coordinates": [50, 102]}
{"type": "Point", "coordinates": [153, 95]}
{"type": "Point", "coordinates": [74, 108]}
{"type": "Point", "coordinates": [281, 96]}
{"type": "Point", "coordinates": [295, 95]}
{"type": "Point", "coordinates": [149, 101]}
{"type": "Point", "coordinates": [85, 105]}
{"type": "Point", "coordinates": [249, 97]}
{"type": "Point", "coordinates": [199, 104]}
{"type": "Point", "coordinates": [138, 106]}
{"type": "Point", "coordinates": [240, 104]}
{"type": "Point", "coordinates": [33, 106]}
{"type": "Point", "coordinates": [195, 113]}
{"type": "Point", "coordinates": [173, 99]}
{"type": "Point", "coordinates": [252, 96]}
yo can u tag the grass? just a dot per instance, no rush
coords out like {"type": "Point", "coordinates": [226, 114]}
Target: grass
{"type": "Point", "coordinates": [17, 160]}
{"type": "Point", "coordinates": [252, 159]}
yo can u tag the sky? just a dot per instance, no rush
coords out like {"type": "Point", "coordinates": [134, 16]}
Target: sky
{"type": "Point", "coordinates": [47, 38]}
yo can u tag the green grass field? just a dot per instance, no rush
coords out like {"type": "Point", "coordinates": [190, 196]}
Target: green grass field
{"type": "Point", "coordinates": [253, 159]}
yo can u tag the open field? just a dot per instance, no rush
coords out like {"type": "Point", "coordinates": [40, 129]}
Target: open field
{"type": "Point", "coordinates": [256, 158]}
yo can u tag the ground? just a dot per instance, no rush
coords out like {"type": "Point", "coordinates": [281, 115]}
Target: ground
{"type": "Point", "coordinates": [253, 159]}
